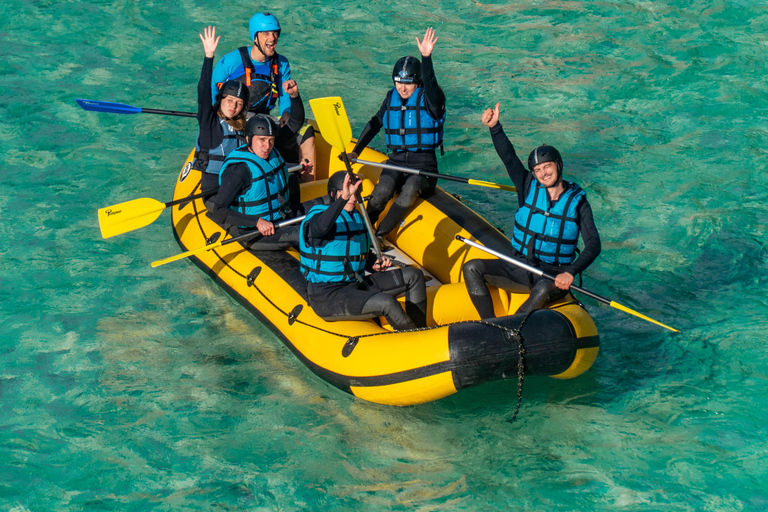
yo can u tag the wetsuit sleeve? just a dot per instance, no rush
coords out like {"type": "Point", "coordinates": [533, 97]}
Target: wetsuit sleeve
{"type": "Point", "coordinates": [206, 117]}
{"type": "Point", "coordinates": [286, 105]}
{"type": "Point", "coordinates": [517, 172]}
{"type": "Point", "coordinates": [295, 123]}
{"type": "Point", "coordinates": [234, 181]}
{"type": "Point", "coordinates": [371, 129]}
{"type": "Point", "coordinates": [591, 238]}
{"type": "Point", "coordinates": [220, 74]}
{"type": "Point", "coordinates": [320, 225]}
{"type": "Point", "coordinates": [433, 94]}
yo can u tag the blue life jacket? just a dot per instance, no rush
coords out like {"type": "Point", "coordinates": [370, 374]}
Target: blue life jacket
{"type": "Point", "coordinates": [210, 160]}
{"type": "Point", "coordinates": [342, 254]}
{"type": "Point", "coordinates": [261, 81]}
{"type": "Point", "coordinates": [548, 233]}
{"type": "Point", "coordinates": [409, 127]}
{"type": "Point", "coordinates": [267, 196]}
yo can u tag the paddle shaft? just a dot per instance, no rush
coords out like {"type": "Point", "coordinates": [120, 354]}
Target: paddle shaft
{"type": "Point", "coordinates": [277, 225]}
{"type": "Point", "coordinates": [529, 268]}
{"type": "Point", "coordinates": [167, 112]}
{"type": "Point", "coordinates": [240, 238]}
{"type": "Point", "coordinates": [539, 272]}
{"type": "Point", "coordinates": [211, 192]}
{"type": "Point", "coordinates": [363, 211]}
{"type": "Point", "coordinates": [244, 236]}
{"type": "Point", "coordinates": [428, 174]}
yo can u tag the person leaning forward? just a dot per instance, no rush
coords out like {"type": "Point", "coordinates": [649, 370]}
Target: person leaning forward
{"type": "Point", "coordinates": [254, 188]}
{"type": "Point", "coordinates": [335, 253]}
{"type": "Point", "coordinates": [552, 213]}
{"type": "Point", "coordinates": [412, 116]}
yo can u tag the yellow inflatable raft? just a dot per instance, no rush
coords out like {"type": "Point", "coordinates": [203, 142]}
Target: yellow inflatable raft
{"type": "Point", "coordinates": [366, 358]}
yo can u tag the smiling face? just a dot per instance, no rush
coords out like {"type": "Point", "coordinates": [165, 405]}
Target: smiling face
{"type": "Point", "coordinates": [266, 42]}
{"type": "Point", "coordinates": [405, 90]}
{"type": "Point", "coordinates": [261, 146]}
{"type": "Point", "coordinates": [231, 106]}
{"type": "Point", "coordinates": [546, 174]}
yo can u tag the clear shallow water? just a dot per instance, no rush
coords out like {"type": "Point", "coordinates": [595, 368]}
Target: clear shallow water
{"type": "Point", "coordinates": [129, 388]}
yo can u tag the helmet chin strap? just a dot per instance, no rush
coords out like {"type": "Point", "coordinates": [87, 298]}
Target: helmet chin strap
{"type": "Point", "coordinates": [257, 45]}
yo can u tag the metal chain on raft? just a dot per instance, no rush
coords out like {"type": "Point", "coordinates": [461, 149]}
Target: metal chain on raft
{"type": "Point", "coordinates": [515, 335]}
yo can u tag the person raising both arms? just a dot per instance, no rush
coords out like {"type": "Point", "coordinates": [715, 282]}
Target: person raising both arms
{"type": "Point", "coordinates": [220, 127]}
{"type": "Point", "coordinates": [551, 214]}
{"type": "Point", "coordinates": [334, 249]}
{"type": "Point", "coordinates": [412, 116]}
{"type": "Point", "coordinates": [264, 71]}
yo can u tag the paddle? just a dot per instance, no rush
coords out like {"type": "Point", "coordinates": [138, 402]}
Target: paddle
{"type": "Point", "coordinates": [536, 271]}
{"type": "Point", "coordinates": [240, 238]}
{"type": "Point", "coordinates": [331, 118]}
{"type": "Point", "coordinates": [244, 236]}
{"type": "Point", "coordinates": [408, 170]}
{"type": "Point", "coordinates": [135, 214]}
{"type": "Point", "coordinates": [121, 108]}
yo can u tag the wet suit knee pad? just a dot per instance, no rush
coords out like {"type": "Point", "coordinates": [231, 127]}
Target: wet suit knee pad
{"type": "Point", "coordinates": [474, 277]}
{"type": "Point", "coordinates": [539, 296]}
{"type": "Point", "coordinates": [387, 306]}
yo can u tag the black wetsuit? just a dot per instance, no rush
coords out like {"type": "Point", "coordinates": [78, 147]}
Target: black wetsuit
{"type": "Point", "coordinates": [210, 134]}
{"type": "Point", "coordinates": [411, 186]}
{"type": "Point", "coordinates": [373, 295]}
{"type": "Point", "coordinates": [509, 277]}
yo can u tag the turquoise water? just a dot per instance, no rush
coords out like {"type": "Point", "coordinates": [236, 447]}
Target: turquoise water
{"type": "Point", "coordinates": [124, 387]}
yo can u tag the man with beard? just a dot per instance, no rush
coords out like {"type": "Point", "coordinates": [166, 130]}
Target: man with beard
{"type": "Point", "coordinates": [552, 213]}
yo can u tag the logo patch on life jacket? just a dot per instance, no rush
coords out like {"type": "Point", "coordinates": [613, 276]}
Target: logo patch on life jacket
{"type": "Point", "coordinates": [185, 172]}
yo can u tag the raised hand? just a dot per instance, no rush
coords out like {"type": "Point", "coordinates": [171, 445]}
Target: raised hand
{"type": "Point", "coordinates": [490, 117]}
{"type": "Point", "coordinates": [210, 41]}
{"type": "Point", "coordinates": [428, 44]}
{"type": "Point", "coordinates": [291, 88]}
{"type": "Point", "coordinates": [350, 189]}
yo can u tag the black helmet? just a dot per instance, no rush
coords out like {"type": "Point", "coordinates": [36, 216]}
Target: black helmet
{"type": "Point", "coordinates": [260, 125]}
{"type": "Point", "coordinates": [336, 182]}
{"type": "Point", "coordinates": [407, 71]}
{"type": "Point", "coordinates": [543, 154]}
{"type": "Point", "coordinates": [236, 89]}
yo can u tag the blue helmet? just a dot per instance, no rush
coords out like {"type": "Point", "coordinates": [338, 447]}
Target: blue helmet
{"type": "Point", "coordinates": [263, 22]}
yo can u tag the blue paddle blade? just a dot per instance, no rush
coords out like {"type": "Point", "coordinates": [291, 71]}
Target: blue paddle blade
{"type": "Point", "coordinates": [106, 106]}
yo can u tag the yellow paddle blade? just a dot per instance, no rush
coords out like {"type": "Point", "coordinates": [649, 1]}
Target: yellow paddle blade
{"type": "Point", "coordinates": [481, 183]}
{"type": "Point", "coordinates": [186, 254]}
{"type": "Point", "coordinates": [639, 315]}
{"type": "Point", "coordinates": [124, 217]}
{"type": "Point", "coordinates": [333, 121]}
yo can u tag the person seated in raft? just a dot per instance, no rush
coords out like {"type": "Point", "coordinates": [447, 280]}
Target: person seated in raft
{"type": "Point", "coordinates": [551, 214]}
{"type": "Point", "coordinates": [220, 127]}
{"type": "Point", "coordinates": [254, 185]}
{"type": "Point", "coordinates": [264, 71]}
{"type": "Point", "coordinates": [412, 116]}
{"type": "Point", "coordinates": [335, 251]}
